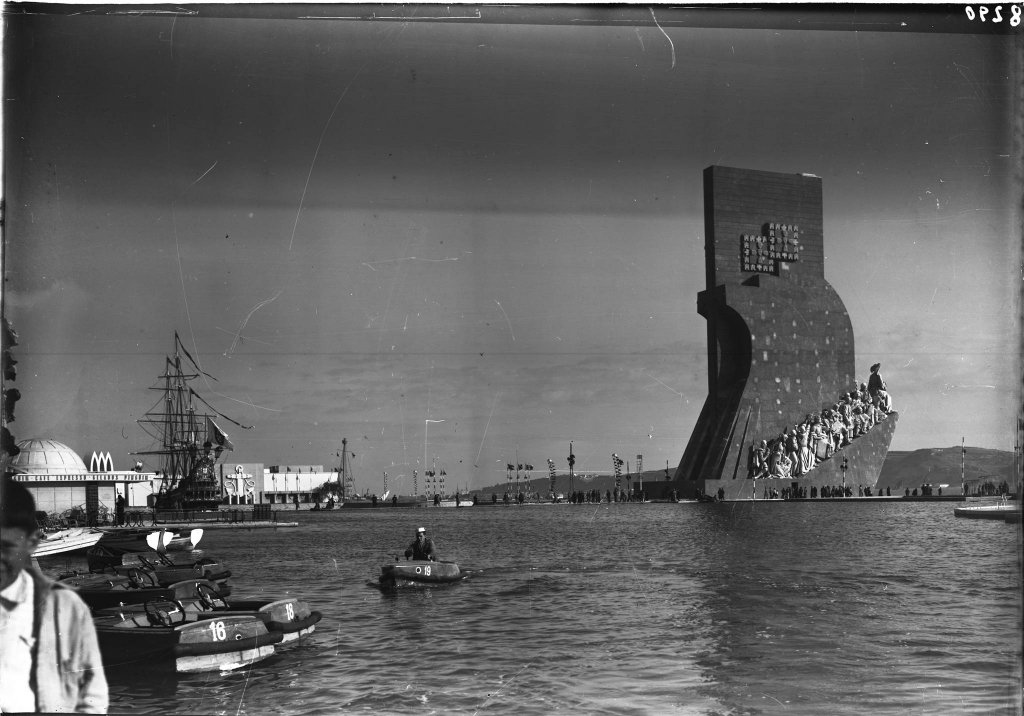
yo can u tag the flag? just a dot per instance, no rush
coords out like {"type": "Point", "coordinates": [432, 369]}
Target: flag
{"type": "Point", "coordinates": [509, 466]}
{"type": "Point", "coordinates": [216, 436]}
{"type": "Point", "coordinates": [520, 466]}
{"type": "Point", "coordinates": [443, 472]}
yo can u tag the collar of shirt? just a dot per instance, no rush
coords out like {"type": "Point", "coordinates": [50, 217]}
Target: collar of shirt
{"type": "Point", "coordinates": [17, 593]}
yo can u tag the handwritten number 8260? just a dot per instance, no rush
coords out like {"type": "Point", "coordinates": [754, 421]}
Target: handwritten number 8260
{"type": "Point", "coordinates": [983, 13]}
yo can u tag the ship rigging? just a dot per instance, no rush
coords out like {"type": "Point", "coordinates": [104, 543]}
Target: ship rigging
{"type": "Point", "coordinates": [187, 442]}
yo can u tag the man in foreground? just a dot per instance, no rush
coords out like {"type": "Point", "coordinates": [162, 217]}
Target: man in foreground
{"type": "Point", "coordinates": [422, 548]}
{"type": "Point", "coordinates": [49, 657]}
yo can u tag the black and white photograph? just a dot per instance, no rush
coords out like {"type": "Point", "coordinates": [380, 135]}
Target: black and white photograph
{"type": "Point", "coordinates": [511, 359]}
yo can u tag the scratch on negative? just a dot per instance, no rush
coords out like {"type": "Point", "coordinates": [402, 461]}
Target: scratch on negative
{"type": "Point", "coordinates": [259, 305]}
{"type": "Point", "coordinates": [315, 153]}
{"type": "Point", "coordinates": [198, 180]}
{"type": "Point", "coordinates": [637, 31]}
{"type": "Point", "coordinates": [506, 318]}
{"type": "Point", "coordinates": [655, 379]}
{"type": "Point", "coordinates": [369, 264]}
{"type": "Point", "coordinates": [672, 44]}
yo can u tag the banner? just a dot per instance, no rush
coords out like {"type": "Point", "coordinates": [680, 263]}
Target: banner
{"type": "Point", "coordinates": [216, 436]}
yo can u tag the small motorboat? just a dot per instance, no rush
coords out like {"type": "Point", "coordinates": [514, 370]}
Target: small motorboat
{"type": "Point", "coordinates": [163, 540]}
{"type": "Point", "coordinates": [66, 541]}
{"type": "Point", "coordinates": [112, 551]}
{"type": "Point", "coordinates": [419, 573]}
{"type": "Point", "coordinates": [100, 591]}
{"type": "Point", "coordinates": [291, 616]}
{"type": "Point", "coordinates": [131, 540]}
{"type": "Point", "coordinates": [161, 633]}
{"type": "Point", "coordinates": [167, 570]}
{"type": "Point", "coordinates": [1008, 511]}
{"type": "Point", "coordinates": [167, 574]}
{"type": "Point", "coordinates": [149, 540]}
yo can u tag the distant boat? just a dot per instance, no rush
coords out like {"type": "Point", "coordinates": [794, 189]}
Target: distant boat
{"type": "Point", "coordinates": [1009, 511]}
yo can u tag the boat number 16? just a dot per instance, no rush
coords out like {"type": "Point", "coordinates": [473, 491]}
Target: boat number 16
{"type": "Point", "coordinates": [218, 630]}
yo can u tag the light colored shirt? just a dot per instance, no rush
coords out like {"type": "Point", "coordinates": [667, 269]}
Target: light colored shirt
{"type": "Point", "coordinates": [16, 643]}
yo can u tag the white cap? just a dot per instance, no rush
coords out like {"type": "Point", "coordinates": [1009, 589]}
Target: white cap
{"type": "Point", "coordinates": [422, 529]}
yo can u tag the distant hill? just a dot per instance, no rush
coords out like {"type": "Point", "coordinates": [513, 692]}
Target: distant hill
{"type": "Point", "coordinates": [941, 466]}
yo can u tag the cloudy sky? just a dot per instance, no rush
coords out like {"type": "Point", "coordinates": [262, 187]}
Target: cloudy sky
{"type": "Point", "coordinates": [443, 240]}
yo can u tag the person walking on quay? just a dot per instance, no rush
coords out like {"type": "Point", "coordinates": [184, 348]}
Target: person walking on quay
{"type": "Point", "coordinates": [119, 510]}
{"type": "Point", "coordinates": [49, 657]}
{"type": "Point", "coordinates": [422, 548]}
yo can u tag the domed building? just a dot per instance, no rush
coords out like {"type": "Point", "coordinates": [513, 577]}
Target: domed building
{"type": "Point", "coordinates": [46, 457]}
{"type": "Point", "coordinates": [59, 479]}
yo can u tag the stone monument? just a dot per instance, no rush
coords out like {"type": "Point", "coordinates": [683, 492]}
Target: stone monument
{"type": "Point", "coordinates": [780, 345]}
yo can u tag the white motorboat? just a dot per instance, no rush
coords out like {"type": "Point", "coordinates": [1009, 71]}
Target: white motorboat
{"type": "Point", "coordinates": [1009, 511]}
{"type": "Point", "coordinates": [70, 540]}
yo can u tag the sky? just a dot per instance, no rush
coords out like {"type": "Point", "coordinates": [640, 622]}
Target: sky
{"type": "Point", "coordinates": [454, 243]}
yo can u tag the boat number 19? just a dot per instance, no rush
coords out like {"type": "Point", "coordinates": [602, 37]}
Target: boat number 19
{"type": "Point", "coordinates": [426, 570]}
{"type": "Point", "coordinates": [218, 630]}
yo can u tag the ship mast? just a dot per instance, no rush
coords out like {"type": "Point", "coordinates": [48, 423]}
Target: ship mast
{"type": "Point", "coordinates": [176, 426]}
{"type": "Point", "coordinates": [187, 443]}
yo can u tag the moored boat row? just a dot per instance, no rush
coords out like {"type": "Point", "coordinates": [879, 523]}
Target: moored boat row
{"type": "Point", "coordinates": [153, 611]}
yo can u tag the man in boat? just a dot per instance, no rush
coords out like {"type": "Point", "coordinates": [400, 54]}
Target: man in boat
{"type": "Point", "coordinates": [49, 657]}
{"type": "Point", "coordinates": [422, 548]}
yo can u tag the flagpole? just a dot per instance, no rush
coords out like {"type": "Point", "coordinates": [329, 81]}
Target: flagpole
{"type": "Point", "coordinates": [963, 455]}
{"type": "Point", "coordinates": [517, 471]}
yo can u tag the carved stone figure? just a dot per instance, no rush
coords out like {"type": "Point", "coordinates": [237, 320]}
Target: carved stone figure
{"type": "Point", "coordinates": [875, 381]}
{"type": "Point", "coordinates": [781, 465]}
{"type": "Point", "coordinates": [759, 460]}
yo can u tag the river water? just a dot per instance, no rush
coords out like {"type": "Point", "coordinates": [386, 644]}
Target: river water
{"type": "Point", "coordinates": [728, 608]}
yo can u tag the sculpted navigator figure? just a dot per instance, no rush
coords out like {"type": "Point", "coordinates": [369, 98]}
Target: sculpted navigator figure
{"type": "Point", "coordinates": [759, 460]}
{"type": "Point", "coordinates": [875, 381]}
{"type": "Point", "coordinates": [781, 465]}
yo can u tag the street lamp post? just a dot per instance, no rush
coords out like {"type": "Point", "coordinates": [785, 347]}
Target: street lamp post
{"type": "Point", "coordinates": [845, 464]}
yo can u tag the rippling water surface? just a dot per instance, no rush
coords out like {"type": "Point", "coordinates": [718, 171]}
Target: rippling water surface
{"type": "Point", "coordinates": [729, 608]}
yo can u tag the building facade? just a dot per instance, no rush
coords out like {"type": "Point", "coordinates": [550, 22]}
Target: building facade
{"type": "Point", "coordinates": [60, 481]}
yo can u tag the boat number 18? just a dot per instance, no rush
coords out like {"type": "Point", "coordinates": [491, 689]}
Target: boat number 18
{"type": "Point", "coordinates": [291, 612]}
{"type": "Point", "coordinates": [218, 630]}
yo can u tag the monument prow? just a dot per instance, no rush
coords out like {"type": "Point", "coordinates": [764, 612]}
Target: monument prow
{"type": "Point", "coordinates": [780, 340]}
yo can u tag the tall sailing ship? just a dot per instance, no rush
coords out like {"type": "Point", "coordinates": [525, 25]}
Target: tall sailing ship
{"type": "Point", "coordinates": [187, 442]}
